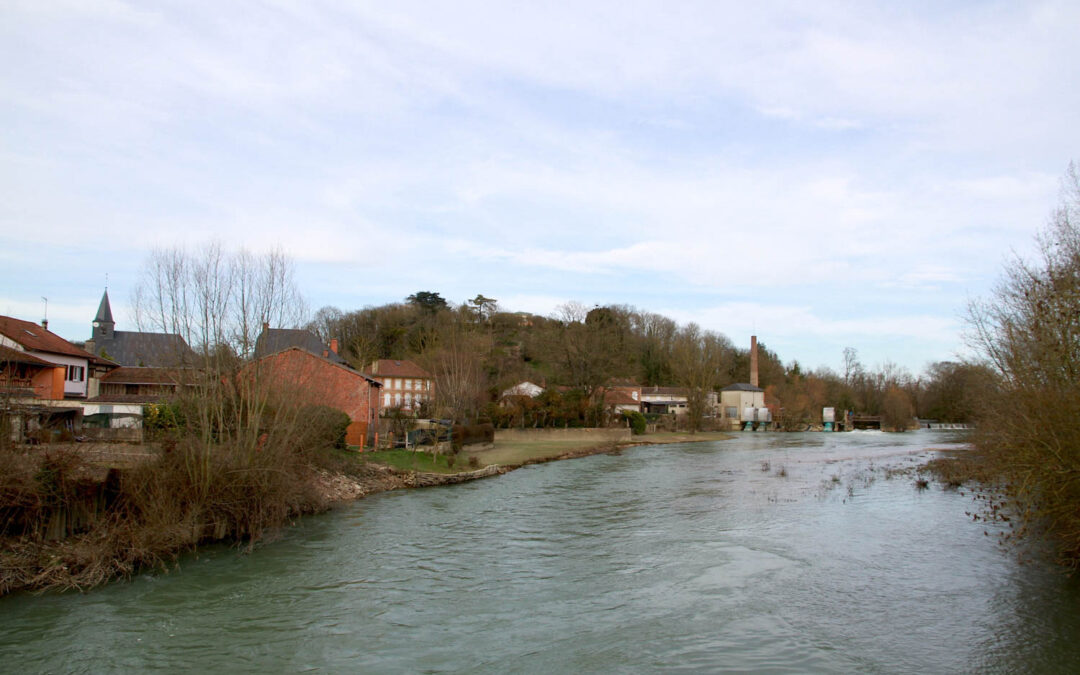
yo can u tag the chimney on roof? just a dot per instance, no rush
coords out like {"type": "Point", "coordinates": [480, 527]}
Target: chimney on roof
{"type": "Point", "coordinates": [45, 324]}
{"type": "Point", "coordinates": [266, 326]}
{"type": "Point", "coordinates": [753, 361]}
{"type": "Point", "coordinates": [333, 345]}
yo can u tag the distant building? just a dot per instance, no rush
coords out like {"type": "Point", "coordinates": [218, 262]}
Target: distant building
{"type": "Point", "coordinates": [664, 400]}
{"type": "Point", "coordinates": [737, 399]}
{"type": "Point", "coordinates": [135, 348]}
{"type": "Point", "coordinates": [525, 388]}
{"type": "Point", "coordinates": [405, 384]}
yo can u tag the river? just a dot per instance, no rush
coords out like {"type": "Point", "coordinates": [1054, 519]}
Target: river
{"type": "Point", "coordinates": [771, 553]}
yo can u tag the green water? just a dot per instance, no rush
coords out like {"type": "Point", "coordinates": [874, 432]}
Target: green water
{"type": "Point", "coordinates": [674, 558]}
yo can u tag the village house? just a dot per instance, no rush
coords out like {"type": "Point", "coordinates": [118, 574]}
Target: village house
{"type": "Point", "coordinates": [313, 379]}
{"type": "Point", "coordinates": [623, 399]}
{"type": "Point", "coordinates": [81, 369]}
{"type": "Point", "coordinates": [45, 380]}
{"type": "Point", "coordinates": [405, 384]}
{"type": "Point", "coordinates": [135, 348]}
{"type": "Point", "coordinates": [664, 400]}
{"type": "Point", "coordinates": [302, 367]}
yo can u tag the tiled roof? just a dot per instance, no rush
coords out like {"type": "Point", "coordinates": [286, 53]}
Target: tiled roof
{"type": "Point", "coordinates": [663, 391]}
{"type": "Point", "coordinates": [395, 368]}
{"type": "Point", "coordinates": [274, 340]}
{"type": "Point", "coordinates": [619, 398]}
{"type": "Point", "coordinates": [33, 337]}
{"type": "Point", "coordinates": [9, 355]}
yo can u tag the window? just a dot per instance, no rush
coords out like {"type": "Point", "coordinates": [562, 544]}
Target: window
{"type": "Point", "coordinates": [386, 400]}
{"type": "Point", "coordinates": [731, 412]}
{"type": "Point", "coordinates": [75, 373]}
{"type": "Point", "coordinates": [408, 384]}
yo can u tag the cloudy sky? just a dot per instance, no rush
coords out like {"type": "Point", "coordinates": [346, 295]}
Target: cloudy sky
{"type": "Point", "coordinates": [824, 174]}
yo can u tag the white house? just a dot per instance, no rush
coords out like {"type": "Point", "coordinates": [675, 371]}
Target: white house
{"type": "Point", "coordinates": [525, 388]}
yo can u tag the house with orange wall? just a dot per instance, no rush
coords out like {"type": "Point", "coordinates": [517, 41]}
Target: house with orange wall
{"type": "Point", "coordinates": [23, 375]}
{"type": "Point", "coordinates": [81, 370]}
{"type": "Point", "coordinates": [319, 380]}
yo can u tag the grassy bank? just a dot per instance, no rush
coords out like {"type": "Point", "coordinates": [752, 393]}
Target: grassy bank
{"type": "Point", "coordinates": [521, 451]}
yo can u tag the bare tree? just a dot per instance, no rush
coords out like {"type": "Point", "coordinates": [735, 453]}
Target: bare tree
{"type": "Point", "coordinates": [699, 357]}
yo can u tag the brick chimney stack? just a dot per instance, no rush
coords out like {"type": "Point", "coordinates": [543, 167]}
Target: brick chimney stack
{"type": "Point", "coordinates": [45, 324]}
{"type": "Point", "coordinates": [753, 361]}
{"type": "Point", "coordinates": [333, 345]}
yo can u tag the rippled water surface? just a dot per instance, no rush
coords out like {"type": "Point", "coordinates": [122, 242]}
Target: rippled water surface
{"type": "Point", "coordinates": [767, 553]}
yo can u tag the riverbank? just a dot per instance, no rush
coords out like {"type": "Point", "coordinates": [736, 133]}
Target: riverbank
{"type": "Point", "coordinates": [107, 551]}
{"type": "Point", "coordinates": [497, 458]}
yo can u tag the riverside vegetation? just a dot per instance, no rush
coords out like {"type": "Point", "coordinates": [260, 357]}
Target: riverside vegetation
{"type": "Point", "coordinates": [1027, 438]}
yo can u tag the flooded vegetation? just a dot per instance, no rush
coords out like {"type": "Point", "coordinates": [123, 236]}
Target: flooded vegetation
{"type": "Point", "coordinates": [768, 552]}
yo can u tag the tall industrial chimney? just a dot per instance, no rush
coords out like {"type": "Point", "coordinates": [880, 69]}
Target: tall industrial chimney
{"type": "Point", "coordinates": [753, 361]}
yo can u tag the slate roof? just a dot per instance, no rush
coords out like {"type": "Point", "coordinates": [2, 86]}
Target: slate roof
{"type": "Point", "coordinates": [104, 310]}
{"type": "Point", "coordinates": [135, 348]}
{"type": "Point", "coordinates": [274, 340]}
{"type": "Point", "coordinates": [131, 375]}
{"type": "Point", "coordinates": [35, 338]}
{"type": "Point", "coordinates": [396, 368]}
{"type": "Point", "coordinates": [741, 386]}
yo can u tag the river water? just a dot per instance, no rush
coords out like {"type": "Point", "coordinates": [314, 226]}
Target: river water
{"type": "Point", "coordinates": [767, 553]}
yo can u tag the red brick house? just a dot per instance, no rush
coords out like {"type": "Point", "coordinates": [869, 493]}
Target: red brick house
{"type": "Point", "coordinates": [318, 380]}
{"type": "Point", "coordinates": [405, 384]}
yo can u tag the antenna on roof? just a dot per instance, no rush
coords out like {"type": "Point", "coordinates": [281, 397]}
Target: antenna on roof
{"type": "Point", "coordinates": [106, 281]}
{"type": "Point", "coordinates": [45, 321]}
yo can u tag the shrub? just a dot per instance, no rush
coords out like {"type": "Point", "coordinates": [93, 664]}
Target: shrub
{"type": "Point", "coordinates": [328, 425]}
{"type": "Point", "coordinates": [636, 420]}
{"type": "Point", "coordinates": [471, 434]}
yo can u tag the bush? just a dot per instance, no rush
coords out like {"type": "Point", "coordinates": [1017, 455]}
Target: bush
{"type": "Point", "coordinates": [162, 418]}
{"type": "Point", "coordinates": [636, 421]}
{"type": "Point", "coordinates": [328, 425]}
{"type": "Point", "coordinates": [471, 434]}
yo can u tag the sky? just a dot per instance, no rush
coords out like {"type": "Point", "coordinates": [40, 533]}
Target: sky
{"type": "Point", "coordinates": [824, 175]}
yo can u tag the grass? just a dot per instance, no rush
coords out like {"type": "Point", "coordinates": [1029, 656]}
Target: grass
{"type": "Point", "coordinates": [419, 460]}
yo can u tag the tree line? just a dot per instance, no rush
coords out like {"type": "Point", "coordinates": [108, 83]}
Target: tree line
{"type": "Point", "coordinates": [476, 350]}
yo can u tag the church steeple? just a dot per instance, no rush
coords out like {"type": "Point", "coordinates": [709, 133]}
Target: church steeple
{"type": "Point", "coordinates": [103, 322]}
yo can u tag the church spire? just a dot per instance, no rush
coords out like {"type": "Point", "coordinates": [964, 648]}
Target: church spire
{"type": "Point", "coordinates": [103, 322]}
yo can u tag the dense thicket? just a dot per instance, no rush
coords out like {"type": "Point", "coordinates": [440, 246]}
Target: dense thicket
{"type": "Point", "coordinates": [1029, 423]}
